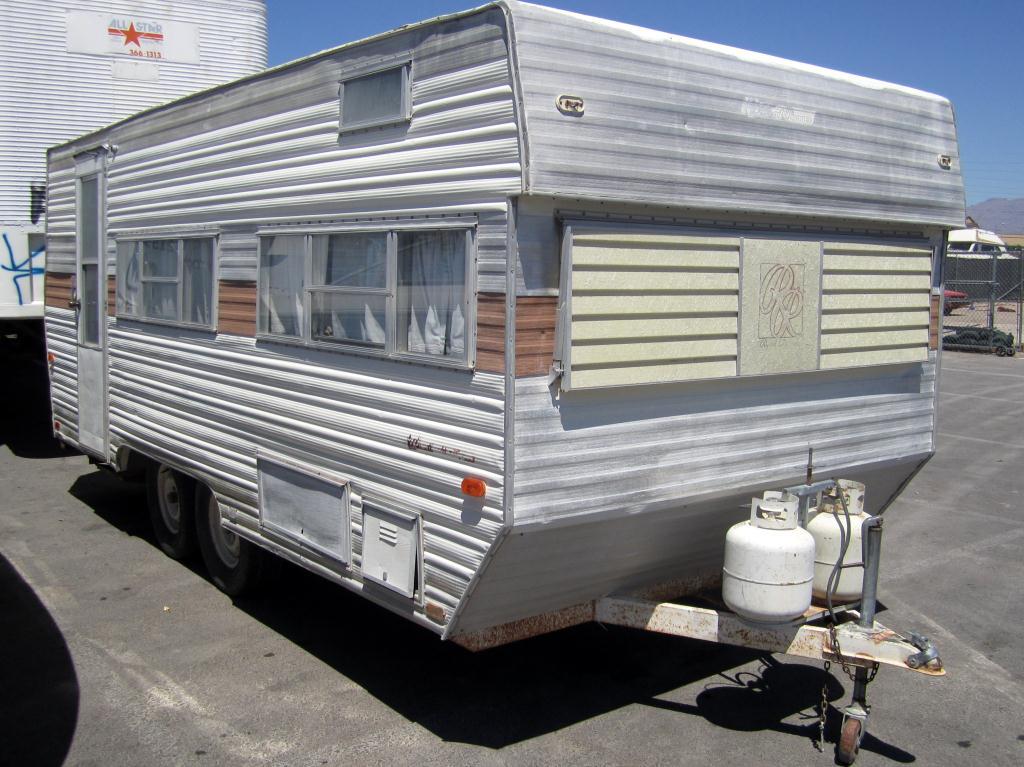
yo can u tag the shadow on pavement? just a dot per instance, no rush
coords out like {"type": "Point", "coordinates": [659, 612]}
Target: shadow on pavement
{"type": "Point", "coordinates": [25, 402]}
{"type": "Point", "coordinates": [529, 688]}
{"type": "Point", "coordinates": [39, 699]}
{"type": "Point", "coordinates": [520, 691]}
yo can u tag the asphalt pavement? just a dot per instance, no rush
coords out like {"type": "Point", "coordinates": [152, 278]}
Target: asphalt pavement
{"type": "Point", "coordinates": [112, 654]}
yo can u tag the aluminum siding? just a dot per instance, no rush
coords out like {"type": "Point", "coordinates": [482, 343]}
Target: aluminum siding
{"type": "Point", "coordinates": [677, 121]}
{"type": "Point", "coordinates": [619, 489]}
{"type": "Point", "coordinates": [265, 152]}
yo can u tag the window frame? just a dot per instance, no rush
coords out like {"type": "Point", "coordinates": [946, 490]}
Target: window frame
{"type": "Point", "coordinates": [390, 350]}
{"type": "Point", "coordinates": [405, 114]}
{"type": "Point", "coordinates": [213, 237]}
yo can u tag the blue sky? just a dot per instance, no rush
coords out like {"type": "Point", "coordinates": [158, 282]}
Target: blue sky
{"type": "Point", "coordinates": [970, 52]}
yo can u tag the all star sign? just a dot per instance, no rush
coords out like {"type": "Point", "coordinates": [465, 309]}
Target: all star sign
{"type": "Point", "coordinates": [142, 38]}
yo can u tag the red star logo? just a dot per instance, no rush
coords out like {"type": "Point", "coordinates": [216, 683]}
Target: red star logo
{"type": "Point", "coordinates": [131, 35]}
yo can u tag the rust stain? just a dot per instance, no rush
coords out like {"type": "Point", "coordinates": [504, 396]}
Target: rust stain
{"type": "Point", "coordinates": [417, 443]}
{"type": "Point", "coordinates": [526, 628]}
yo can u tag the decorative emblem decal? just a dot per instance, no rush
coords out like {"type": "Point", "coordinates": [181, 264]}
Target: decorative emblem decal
{"type": "Point", "coordinates": [781, 301]}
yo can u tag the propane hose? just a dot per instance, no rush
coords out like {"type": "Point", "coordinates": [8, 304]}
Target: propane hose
{"type": "Point", "coordinates": [844, 544]}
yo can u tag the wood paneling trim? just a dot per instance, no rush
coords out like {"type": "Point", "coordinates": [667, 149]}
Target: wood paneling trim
{"type": "Point", "coordinates": [535, 333]}
{"type": "Point", "coordinates": [935, 323]}
{"type": "Point", "coordinates": [236, 308]}
{"type": "Point", "coordinates": [58, 289]}
{"type": "Point", "coordinates": [490, 332]}
{"type": "Point", "coordinates": [111, 296]}
{"type": "Point", "coordinates": [536, 317]}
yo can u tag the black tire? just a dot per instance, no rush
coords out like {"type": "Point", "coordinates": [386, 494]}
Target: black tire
{"type": "Point", "coordinates": [235, 566]}
{"type": "Point", "coordinates": [170, 496]}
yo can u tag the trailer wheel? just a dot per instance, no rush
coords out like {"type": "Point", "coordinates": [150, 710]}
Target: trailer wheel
{"type": "Point", "coordinates": [849, 741]}
{"type": "Point", "coordinates": [170, 495]}
{"type": "Point", "coordinates": [235, 565]}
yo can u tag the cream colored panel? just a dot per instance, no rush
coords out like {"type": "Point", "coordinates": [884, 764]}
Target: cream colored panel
{"type": "Point", "coordinates": [650, 240]}
{"type": "Point", "coordinates": [612, 306]}
{"type": "Point", "coordinates": [875, 357]}
{"type": "Point", "coordinates": [657, 257]}
{"type": "Point", "coordinates": [892, 320]}
{"type": "Point", "coordinates": [869, 248]}
{"type": "Point", "coordinates": [589, 330]}
{"type": "Point", "coordinates": [876, 282]}
{"type": "Point", "coordinates": [869, 340]}
{"type": "Point", "coordinates": [881, 326]}
{"type": "Point", "coordinates": [618, 353]}
{"type": "Point", "coordinates": [866, 263]}
{"type": "Point", "coordinates": [646, 374]}
{"type": "Point", "coordinates": [622, 281]}
{"type": "Point", "coordinates": [879, 301]}
{"type": "Point", "coordinates": [652, 307]}
{"type": "Point", "coordinates": [780, 306]}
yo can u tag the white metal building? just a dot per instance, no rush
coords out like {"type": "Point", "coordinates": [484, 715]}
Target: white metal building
{"type": "Point", "coordinates": [70, 66]}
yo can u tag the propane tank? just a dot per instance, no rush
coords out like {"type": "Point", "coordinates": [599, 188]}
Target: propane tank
{"type": "Point", "coordinates": [769, 562]}
{"type": "Point", "coordinates": [827, 526]}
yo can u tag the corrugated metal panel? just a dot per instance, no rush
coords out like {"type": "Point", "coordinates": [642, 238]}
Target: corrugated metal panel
{"type": "Point", "coordinates": [652, 307]}
{"type": "Point", "coordinates": [62, 340]}
{"type": "Point", "coordinates": [862, 286]}
{"type": "Point", "coordinates": [618, 488]}
{"type": "Point", "coordinates": [615, 451]}
{"type": "Point", "coordinates": [677, 121]}
{"type": "Point", "coordinates": [48, 95]}
{"type": "Point", "coordinates": [212, 403]}
{"type": "Point", "coordinates": [543, 567]}
{"type": "Point", "coordinates": [268, 152]}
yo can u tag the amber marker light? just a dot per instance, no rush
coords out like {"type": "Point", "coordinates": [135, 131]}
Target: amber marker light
{"type": "Point", "coordinates": [473, 487]}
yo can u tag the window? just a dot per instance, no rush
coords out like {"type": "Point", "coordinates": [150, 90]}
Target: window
{"type": "Point", "coordinates": [169, 280]}
{"type": "Point", "coordinates": [431, 287]}
{"type": "Point", "coordinates": [393, 293]}
{"type": "Point", "coordinates": [378, 98]}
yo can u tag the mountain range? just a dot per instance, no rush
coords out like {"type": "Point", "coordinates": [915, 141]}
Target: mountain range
{"type": "Point", "coordinates": [999, 215]}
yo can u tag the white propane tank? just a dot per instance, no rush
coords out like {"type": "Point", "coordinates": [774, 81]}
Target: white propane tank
{"type": "Point", "coordinates": [769, 562]}
{"type": "Point", "coordinates": [827, 526]}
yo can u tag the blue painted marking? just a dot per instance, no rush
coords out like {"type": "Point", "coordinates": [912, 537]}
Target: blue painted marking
{"type": "Point", "coordinates": [22, 270]}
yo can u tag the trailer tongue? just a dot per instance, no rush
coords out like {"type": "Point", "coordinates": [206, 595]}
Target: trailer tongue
{"type": "Point", "coordinates": [847, 634]}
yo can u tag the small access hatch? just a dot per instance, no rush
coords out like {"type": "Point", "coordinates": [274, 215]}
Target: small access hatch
{"type": "Point", "coordinates": [390, 549]}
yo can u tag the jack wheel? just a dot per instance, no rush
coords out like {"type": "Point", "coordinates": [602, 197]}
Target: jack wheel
{"type": "Point", "coordinates": [849, 741]}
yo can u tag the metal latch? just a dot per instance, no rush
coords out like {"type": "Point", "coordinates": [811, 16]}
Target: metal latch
{"type": "Point", "coordinates": [929, 651]}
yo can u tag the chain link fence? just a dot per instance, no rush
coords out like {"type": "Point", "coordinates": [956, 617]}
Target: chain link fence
{"type": "Point", "coordinates": [983, 301]}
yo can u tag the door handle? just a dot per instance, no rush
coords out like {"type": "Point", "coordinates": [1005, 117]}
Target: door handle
{"type": "Point", "coordinates": [74, 303]}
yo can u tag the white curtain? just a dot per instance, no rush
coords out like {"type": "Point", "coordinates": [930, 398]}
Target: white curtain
{"type": "Point", "coordinates": [129, 284]}
{"type": "Point", "coordinates": [281, 277]}
{"type": "Point", "coordinates": [432, 275]}
{"type": "Point", "coordinates": [197, 287]}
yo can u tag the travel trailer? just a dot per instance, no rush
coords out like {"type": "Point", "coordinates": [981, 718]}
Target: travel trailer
{"type": "Point", "coordinates": [490, 316]}
{"type": "Point", "coordinates": [72, 67]}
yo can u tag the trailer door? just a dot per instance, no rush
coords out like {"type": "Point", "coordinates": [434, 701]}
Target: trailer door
{"type": "Point", "coordinates": [91, 282]}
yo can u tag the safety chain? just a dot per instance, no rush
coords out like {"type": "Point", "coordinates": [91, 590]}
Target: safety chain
{"type": "Point", "coordinates": [838, 651]}
{"type": "Point", "coordinates": [823, 710]}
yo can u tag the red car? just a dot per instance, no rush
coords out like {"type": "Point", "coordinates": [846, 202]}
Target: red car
{"type": "Point", "coordinates": [954, 299]}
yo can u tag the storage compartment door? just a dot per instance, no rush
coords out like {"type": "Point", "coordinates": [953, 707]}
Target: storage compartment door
{"type": "Point", "coordinates": [305, 507]}
{"type": "Point", "coordinates": [390, 549]}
